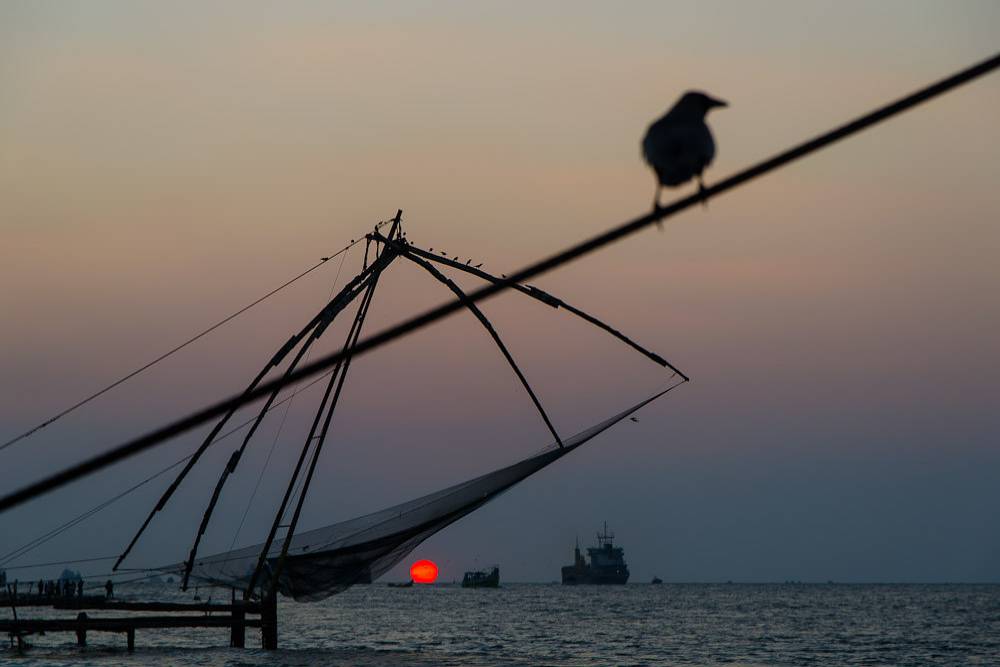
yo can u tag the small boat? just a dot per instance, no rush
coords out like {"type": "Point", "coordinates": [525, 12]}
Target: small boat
{"type": "Point", "coordinates": [482, 578]}
{"type": "Point", "coordinates": [401, 584]}
{"type": "Point", "coordinates": [656, 580]}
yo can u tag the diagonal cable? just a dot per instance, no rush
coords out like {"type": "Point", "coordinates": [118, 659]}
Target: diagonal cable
{"type": "Point", "coordinates": [160, 435]}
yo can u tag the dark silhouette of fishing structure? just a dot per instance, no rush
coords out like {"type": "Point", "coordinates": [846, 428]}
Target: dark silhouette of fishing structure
{"type": "Point", "coordinates": [679, 146]}
{"type": "Point", "coordinates": [315, 564]}
{"type": "Point", "coordinates": [386, 249]}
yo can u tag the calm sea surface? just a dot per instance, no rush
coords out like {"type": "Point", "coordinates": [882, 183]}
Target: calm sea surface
{"type": "Point", "coordinates": [548, 624]}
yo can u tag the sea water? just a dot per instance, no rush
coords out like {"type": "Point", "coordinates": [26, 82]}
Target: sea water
{"type": "Point", "coordinates": [549, 624]}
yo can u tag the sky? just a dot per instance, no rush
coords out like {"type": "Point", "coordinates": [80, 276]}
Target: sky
{"type": "Point", "coordinates": [162, 165]}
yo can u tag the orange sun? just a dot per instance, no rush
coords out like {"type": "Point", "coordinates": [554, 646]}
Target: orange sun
{"type": "Point", "coordinates": [423, 572]}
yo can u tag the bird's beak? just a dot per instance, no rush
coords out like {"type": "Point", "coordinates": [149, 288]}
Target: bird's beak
{"type": "Point", "coordinates": [712, 102]}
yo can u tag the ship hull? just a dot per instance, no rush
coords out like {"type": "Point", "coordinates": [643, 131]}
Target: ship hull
{"type": "Point", "coordinates": [572, 576]}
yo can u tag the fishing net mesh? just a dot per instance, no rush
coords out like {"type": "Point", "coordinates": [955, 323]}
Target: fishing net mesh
{"type": "Point", "coordinates": [326, 561]}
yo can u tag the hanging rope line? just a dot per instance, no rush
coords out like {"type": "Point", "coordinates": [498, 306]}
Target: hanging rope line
{"type": "Point", "coordinates": [176, 349]}
{"type": "Point", "coordinates": [164, 433]}
{"type": "Point", "coordinates": [55, 532]}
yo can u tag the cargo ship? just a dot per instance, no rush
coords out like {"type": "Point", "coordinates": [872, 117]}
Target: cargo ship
{"type": "Point", "coordinates": [606, 566]}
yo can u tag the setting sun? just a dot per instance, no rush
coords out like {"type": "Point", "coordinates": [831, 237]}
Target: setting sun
{"type": "Point", "coordinates": [423, 572]}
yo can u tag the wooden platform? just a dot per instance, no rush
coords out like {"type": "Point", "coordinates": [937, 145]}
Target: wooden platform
{"type": "Point", "coordinates": [212, 615]}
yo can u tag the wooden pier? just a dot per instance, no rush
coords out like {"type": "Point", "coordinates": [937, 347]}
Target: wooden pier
{"type": "Point", "coordinates": [209, 615]}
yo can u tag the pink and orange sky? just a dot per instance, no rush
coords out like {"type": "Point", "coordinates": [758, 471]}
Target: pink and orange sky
{"type": "Point", "coordinates": [162, 165]}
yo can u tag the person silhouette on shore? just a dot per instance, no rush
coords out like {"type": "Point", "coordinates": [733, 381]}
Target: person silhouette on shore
{"type": "Point", "coordinates": [109, 590]}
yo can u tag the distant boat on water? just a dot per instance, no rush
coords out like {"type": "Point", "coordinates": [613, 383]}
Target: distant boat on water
{"type": "Point", "coordinates": [606, 566]}
{"type": "Point", "coordinates": [482, 578]}
{"type": "Point", "coordinates": [656, 580]}
{"type": "Point", "coordinates": [401, 584]}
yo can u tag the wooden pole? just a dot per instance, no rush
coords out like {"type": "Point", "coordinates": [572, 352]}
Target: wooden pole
{"type": "Point", "coordinates": [238, 632]}
{"type": "Point", "coordinates": [269, 622]}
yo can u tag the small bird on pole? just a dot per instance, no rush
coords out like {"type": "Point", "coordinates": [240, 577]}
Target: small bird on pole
{"type": "Point", "coordinates": [679, 146]}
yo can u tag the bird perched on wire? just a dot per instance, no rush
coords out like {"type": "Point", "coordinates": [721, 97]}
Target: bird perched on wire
{"type": "Point", "coordinates": [679, 146]}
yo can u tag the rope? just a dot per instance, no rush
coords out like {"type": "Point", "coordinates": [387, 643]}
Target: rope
{"type": "Point", "coordinates": [164, 433]}
{"type": "Point", "coordinates": [174, 350]}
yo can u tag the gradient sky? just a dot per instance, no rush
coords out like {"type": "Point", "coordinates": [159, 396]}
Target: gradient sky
{"type": "Point", "coordinates": [163, 164]}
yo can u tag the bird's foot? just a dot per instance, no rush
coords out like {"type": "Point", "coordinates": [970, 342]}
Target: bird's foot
{"type": "Point", "coordinates": [656, 198]}
{"type": "Point", "coordinates": [656, 209]}
{"type": "Point", "coordinates": [702, 193]}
